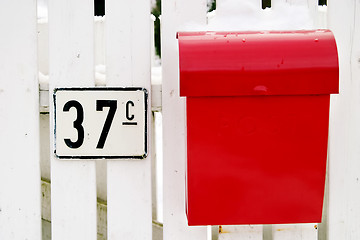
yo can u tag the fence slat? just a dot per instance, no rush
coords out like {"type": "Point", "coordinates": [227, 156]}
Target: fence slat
{"type": "Point", "coordinates": [245, 231]}
{"type": "Point", "coordinates": [71, 62]}
{"type": "Point", "coordinates": [20, 214]}
{"type": "Point", "coordinates": [229, 232]}
{"type": "Point", "coordinates": [175, 13]}
{"type": "Point", "coordinates": [295, 231]}
{"type": "Point", "coordinates": [128, 64]}
{"type": "Point", "coordinates": [344, 165]}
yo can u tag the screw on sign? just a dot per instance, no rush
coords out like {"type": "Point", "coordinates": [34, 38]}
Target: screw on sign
{"type": "Point", "coordinates": [100, 123]}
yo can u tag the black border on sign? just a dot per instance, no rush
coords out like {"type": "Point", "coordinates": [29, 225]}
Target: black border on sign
{"type": "Point", "coordinates": [125, 89]}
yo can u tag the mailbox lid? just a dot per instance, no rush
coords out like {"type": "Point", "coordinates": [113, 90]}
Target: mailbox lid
{"type": "Point", "coordinates": [258, 63]}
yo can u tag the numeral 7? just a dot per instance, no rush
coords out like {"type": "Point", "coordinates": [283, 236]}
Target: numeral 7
{"type": "Point", "coordinates": [100, 104]}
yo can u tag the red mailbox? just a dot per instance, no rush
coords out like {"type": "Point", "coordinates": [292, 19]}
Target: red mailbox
{"type": "Point", "coordinates": [257, 106]}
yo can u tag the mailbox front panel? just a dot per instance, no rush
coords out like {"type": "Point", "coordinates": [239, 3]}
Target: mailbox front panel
{"type": "Point", "coordinates": [256, 160]}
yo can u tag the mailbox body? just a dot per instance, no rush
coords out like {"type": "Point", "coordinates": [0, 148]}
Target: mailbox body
{"type": "Point", "coordinates": [257, 106]}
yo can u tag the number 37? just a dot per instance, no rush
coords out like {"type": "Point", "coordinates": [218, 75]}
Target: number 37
{"type": "Point", "coordinates": [77, 124]}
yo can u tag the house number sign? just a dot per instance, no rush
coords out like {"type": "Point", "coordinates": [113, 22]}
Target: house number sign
{"type": "Point", "coordinates": [94, 123]}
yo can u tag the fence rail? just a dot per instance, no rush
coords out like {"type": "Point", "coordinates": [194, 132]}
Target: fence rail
{"type": "Point", "coordinates": [116, 199]}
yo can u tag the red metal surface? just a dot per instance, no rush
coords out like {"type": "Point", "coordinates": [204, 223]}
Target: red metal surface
{"type": "Point", "coordinates": [256, 160]}
{"type": "Point", "coordinates": [258, 63]}
{"type": "Point", "coordinates": [256, 153]}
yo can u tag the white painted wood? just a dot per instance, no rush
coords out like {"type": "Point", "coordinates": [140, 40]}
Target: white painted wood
{"type": "Point", "coordinates": [244, 231]}
{"type": "Point", "coordinates": [276, 3]}
{"type": "Point", "coordinates": [156, 92]}
{"type": "Point", "coordinates": [313, 6]}
{"type": "Point", "coordinates": [20, 213]}
{"type": "Point", "coordinates": [307, 231]}
{"type": "Point", "coordinates": [128, 63]}
{"type": "Point", "coordinates": [298, 231]}
{"type": "Point", "coordinates": [174, 14]}
{"type": "Point", "coordinates": [221, 3]}
{"type": "Point", "coordinates": [344, 144]}
{"type": "Point", "coordinates": [232, 232]}
{"type": "Point", "coordinates": [46, 213]}
{"type": "Point", "coordinates": [297, 2]}
{"type": "Point", "coordinates": [308, 3]}
{"type": "Point", "coordinates": [71, 63]}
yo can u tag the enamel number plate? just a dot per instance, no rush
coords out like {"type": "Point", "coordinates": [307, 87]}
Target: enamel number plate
{"type": "Point", "coordinates": [94, 123]}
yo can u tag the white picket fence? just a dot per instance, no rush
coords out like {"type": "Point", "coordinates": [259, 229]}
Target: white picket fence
{"type": "Point", "coordinates": [112, 199]}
